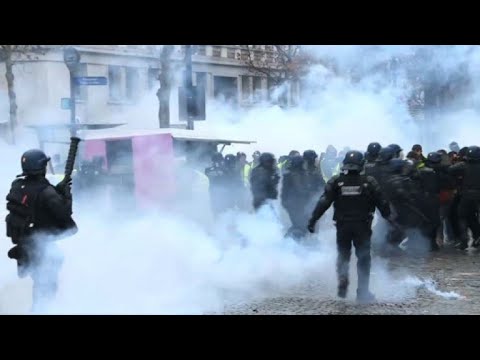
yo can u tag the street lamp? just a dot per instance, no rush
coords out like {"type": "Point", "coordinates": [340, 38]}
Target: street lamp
{"type": "Point", "coordinates": [71, 57]}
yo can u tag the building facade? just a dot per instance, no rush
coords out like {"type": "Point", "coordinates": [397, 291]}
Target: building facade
{"type": "Point", "coordinates": [132, 73]}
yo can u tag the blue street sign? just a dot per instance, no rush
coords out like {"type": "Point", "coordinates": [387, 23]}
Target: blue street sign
{"type": "Point", "coordinates": [90, 80]}
{"type": "Point", "coordinates": [66, 103]}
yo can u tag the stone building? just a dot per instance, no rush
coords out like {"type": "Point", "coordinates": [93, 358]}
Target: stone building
{"type": "Point", "coordinates": [132, 72]}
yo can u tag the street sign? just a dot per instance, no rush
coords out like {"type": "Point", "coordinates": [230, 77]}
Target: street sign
{"type": "Point", "coordinates": [66, 103]}
{"type": "Point", "coordinates": [90, 80]}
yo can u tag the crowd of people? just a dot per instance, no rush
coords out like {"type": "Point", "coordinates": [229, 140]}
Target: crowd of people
{"type": "Point", "coordinates": [426, 202]}
{"type": "Point", "coordinates": [433, 194]}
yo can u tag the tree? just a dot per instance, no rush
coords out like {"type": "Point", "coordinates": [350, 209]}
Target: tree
{"type": "Point", "coordinates": [166, 79]}
{"type": "Point", "coordinates": [280, 64]}
{"type": "Point", "coordinates": [10, 54]}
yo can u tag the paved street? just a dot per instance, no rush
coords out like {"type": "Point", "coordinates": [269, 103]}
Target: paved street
{"type": "Point", "coordinates": [455, 290]}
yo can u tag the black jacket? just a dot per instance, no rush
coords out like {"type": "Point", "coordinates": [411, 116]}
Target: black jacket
{"type": "Point", "coordinates": [469, 173]}
{"type": "Point", "coordinates": [354, 196]}
{"type": "Point", "coordinates": [35, 199]}
{"type": "Point", "coordinates": [295, 191]}
{"type": "Point", "coordinates": [264, 183]}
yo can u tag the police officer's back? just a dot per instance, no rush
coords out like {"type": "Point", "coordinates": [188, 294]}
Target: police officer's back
{"type": "Point", "coordinates": [469, 202]}
{"type": "Point", "coordinates": [264, 180]}
{"type": "Point", "coordinates": [295, 193]}
{"type": "Point", "coordinates": [38, 214]}
{"type": "Point", "coordinates": [315, 181]}
{"type": "Point", "coordinates": [355, 197]}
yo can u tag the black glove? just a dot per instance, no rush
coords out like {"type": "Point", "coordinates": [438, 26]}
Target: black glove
{"type": "Point", "coordinates": [64, 187]}
{"type": "Point", "coordinates": [311, 227]}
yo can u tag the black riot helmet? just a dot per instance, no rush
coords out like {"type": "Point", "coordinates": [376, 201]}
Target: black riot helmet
{"type": "Point", "coordinates": [230, 161]}
{"type": "Point", "coordinates": [373, 149]}
{"type": "Point", "coordinates": [473, 153]}
{"type": "Point", "coordinates": [293, 153]}
{"type": "Point", "coordinates": [434, 158]}
{"type": "Point", "coordinates": [397, 150]}
{"type": "Point", "coordinates": [217, 158]}
{"type": "Point", "coordinates": [34, 162]}
{"type": "Point", "coordinates": [385, 154]}
{"type": "Point", "coordinates": [354, 160]}
{"type": "Point", "coordinates": [463, 152]}
{"type": "Point", "coordinates": [310, 156]}
{"type": "Point", "coordinates": [267, 160]}
{"type": "Point", "coordinates": [296, 162]}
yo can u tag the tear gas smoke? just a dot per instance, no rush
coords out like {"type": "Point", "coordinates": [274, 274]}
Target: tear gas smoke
{"type": "Point", "coordinates": [178, 263]}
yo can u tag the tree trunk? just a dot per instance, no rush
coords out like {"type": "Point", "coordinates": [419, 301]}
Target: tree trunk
{"type": "Point", "coordinates": [12, 97]}
{"type": "Point", "coordinates": [163, 93]}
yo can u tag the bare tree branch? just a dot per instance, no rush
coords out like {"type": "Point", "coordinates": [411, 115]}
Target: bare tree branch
{"type": "Point", "coordinates": [10, 54]}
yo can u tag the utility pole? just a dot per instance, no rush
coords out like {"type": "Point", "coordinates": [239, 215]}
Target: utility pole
{"type": "Point", "coordinates": [71, 57]}
{"type": "Point", "coordinates": [189, 86]}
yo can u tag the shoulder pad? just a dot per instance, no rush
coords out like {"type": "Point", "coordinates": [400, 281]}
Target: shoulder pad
{"type": "Point", "coordinates": [333, 179]}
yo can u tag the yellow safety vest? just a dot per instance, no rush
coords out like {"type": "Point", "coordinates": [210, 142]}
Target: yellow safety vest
{"type": "Point", "coordinates": [420, 165]}
{"type": "Point", "coordinates": [246, 174]}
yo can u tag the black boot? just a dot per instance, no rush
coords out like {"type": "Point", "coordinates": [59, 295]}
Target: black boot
{"type": "Point", "coordinates": [476, 243]}
{"type": "Point", "coordinates": [342, 288]}
{"type": "Point", "coordinates": [461, 245]}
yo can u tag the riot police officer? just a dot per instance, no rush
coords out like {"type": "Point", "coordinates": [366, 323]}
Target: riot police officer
{"type": "Point", "coordinates": [285, 161]}
{"type": "Point", "coordinates": [329, 163]}
{"type": "Point", "coordinates": [217, 184]}
{"type": "Point", "coordinates": [469, 202]}
{"type": "Point", "coordinates": [355, 197]}
{"type": "Point", "coordinates": [295, 196]}
{"type": "Point", "coordinates": [431, 178]}
{"type": "Point", "coordinates": [315, 181]}
{"type": "Point", "coordinates": [38, 213]}
{"type": "Point", "coordinates": [264, 180]}
{"type": "Point", "coordinates": [233, 182]}
{"type": "Point", "coordinates": [371, 157]}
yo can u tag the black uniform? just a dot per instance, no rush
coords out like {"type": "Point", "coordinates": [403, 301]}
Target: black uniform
{"type": "Point", "coordinates": [469, 201]}
{"type": "Point", "coordinates": [354, 197]}
{"type": "Point", "coordinates": [429, 202]}
{"type": "Point", "coordinates": [217, 188]}
{"type": "Point", "coordinates": [295, 195]}
{"type": "Point", "coordinates": [264, 180]}
{"type": "Point", "coordinates": [38, 214]}
{"type": "Point", "coordinates": [233, 180]}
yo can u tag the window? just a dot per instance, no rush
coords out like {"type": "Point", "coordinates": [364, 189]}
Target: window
{"type": "Point", "coordinates": [115, 83]}
{"type": "Point", "coordinates": [257, 89]}
{"type": "Point", "coordinates": [231, 53]}
{"type": "Point", "coordinates": [201, 50]}
{"type": "Point", "coordinates": [245, 88]}
{"type": "Point", "coordinates": [132, 84]}
{"type": "Point", "coordinates": [217, 51]}
{"type": "Point", "coordinates": [153, 82]}
{"type": "Point", "coordinates": [81, 90]}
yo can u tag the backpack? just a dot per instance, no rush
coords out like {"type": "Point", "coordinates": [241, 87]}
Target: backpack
{"type": "Point", "coordinates": [21, 204]}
